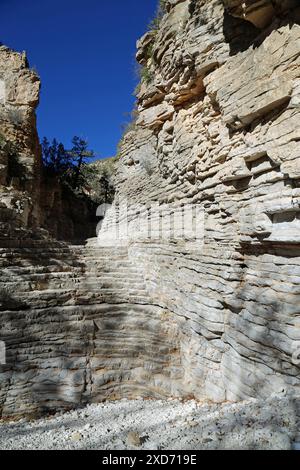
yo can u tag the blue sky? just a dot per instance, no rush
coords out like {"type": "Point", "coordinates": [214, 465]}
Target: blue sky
{"type": "Point", "coordinates": [84, 52]}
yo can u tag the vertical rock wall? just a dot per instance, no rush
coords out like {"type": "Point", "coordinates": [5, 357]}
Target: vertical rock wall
{"type": "Point", "coordinates": [218, 126]}
{"type": "Point", "coordinates": [217, 318]}
{"type": "Point", "coordinates": [20, 152]}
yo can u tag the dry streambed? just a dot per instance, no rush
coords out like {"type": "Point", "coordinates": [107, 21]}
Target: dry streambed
{"type": "Point", "coordinates": [168, 424]}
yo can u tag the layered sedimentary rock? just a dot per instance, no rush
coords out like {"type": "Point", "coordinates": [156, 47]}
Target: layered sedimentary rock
{"type": "Point", "coordinates": [19, 154]}
{"type": "Point", "coordinates": [259, 12]}
{"type": "Point", "coordinates": [193, 288]}
{"type": "Point", "coordinates": [218, 128]}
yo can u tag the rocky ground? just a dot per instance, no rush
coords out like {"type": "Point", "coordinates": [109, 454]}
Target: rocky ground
{"type": "Point", "coordinates": [159, 425]}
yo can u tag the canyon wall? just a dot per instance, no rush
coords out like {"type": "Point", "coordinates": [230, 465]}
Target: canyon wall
{"type": "Point", "coordinates": [170, 311]}
{"type": "Point", "coordinates": [217, 128]}
{"type": "Point", "coordinates": [19, 144]}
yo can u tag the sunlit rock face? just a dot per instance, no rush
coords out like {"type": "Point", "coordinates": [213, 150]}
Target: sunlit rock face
{"type": "Point", "coordinates": [259, 12]}
{"type": "Point", "coordinates": [19, 154]}
{"type": "Point", "coordinates": [170, 310]}
{"type": "Point", "coordinates": [218, 126]}
{"type": "Point", "coordinates": [19, 96]}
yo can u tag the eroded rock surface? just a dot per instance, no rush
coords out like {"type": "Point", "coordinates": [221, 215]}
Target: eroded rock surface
{"type": "Point", "coordinates": [218, 127]}
{"type": "Point", "coordinates": [217, 130]}
{"type": "Point", "coordinates": [19, 144]}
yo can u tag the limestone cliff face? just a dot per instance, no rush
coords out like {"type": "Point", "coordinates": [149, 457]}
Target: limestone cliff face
{"type": "Point", "coordinates": [218, 126]}
{"type": "Point", "coordinates": [30, 200]}
{"type": "Point", "coordinates": [217, 131]}
{"type": "Point", "coordinates": [259, 12]}
{"type": "Point", "coordinates": [20, 153]}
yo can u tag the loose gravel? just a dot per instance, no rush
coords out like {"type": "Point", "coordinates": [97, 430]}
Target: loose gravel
{"type": "Point", "coordinates": [158, 425]}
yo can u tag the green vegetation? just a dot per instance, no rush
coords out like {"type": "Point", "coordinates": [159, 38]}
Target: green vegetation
{"type": "Point", "coordinates": [146, 75]}
{"type": "Point", "coordinates": [92, 181]}
{"type": "Point", "coordinates": [99, 180]}
{"type": "Point", "coordinates": [161, 10]}
{"type": "Point", "coordinates": [144, 72]}
{"type": "Point", "coordinates": [15, 168]}
{"type": "Point", "coordinates": [67, 165]}
{"type": "Point", "coordinates": [149, 51]}
{"type": "Point", "coordinates": [163, 5]}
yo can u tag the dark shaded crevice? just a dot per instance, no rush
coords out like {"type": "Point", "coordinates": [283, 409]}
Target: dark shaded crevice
{"type": "Point", "coordinates": [264, 116]}
{"type": "Point", "coordinates": [69, 217]}
{"type": "Point", "coordinates": [291, 183]}
{"type": "Point", "coordinates": [238, 33]}
{"type": "Point", "coordinates": [192, 7]}
{"type": "Point", "coordinates": [241, 34]}
{"type": "Point", "coordinates": [260, 248]}
{"type": "Point", "coordinates": [239, 185]}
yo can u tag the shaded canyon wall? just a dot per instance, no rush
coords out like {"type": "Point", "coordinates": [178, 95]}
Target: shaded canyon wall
{"type": "Point", "coordinates": [217, 129]}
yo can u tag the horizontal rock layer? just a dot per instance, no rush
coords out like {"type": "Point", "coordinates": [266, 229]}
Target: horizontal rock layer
{"type": "Point", "coordinates": [217, 129]}
{"type": "Point", "coordinates": [79, 325]}
{"type": "Point", "coordinates": [214, 318]}
{"type": "Point", "coordinates": [19, 145]}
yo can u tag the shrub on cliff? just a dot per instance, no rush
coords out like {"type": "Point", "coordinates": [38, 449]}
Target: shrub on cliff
{"type": "Point", "coordinates": [55, 160]}
{"type": "Point", "coordinates": [99, 180]}
{"type": "Point", "coordinates": [161, 10]}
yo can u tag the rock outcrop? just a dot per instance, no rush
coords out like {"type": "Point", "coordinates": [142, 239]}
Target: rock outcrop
{"type": "Point", "coordinates": [218, 128]}
{"type": "Point", "coordinates": [20, 151]}
{"type": "Point", "coordinates": [212, 314]}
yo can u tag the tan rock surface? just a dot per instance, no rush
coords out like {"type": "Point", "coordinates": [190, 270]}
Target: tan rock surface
{"type": "Point", "coordinates": [217, 131]}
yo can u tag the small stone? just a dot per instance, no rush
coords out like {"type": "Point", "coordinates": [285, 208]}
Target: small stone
{"type": "Point", "coordinates": [193, 424]}
{"type": "Point", "coordinates": [76, 436]}
{"type": "Point", "coordinates": [133, 439]}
